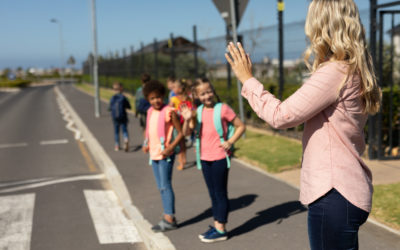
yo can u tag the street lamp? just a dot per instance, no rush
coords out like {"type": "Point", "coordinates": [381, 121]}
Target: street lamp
{"type": "Point", "coordinates": [53, 20]}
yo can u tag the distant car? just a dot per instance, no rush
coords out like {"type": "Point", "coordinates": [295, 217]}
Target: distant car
{"type": "Point", "coordinates": [11, 76]}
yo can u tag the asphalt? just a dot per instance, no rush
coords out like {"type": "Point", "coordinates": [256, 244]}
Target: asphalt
{"type": "Point", "coordinates": [265, 212]}
{"type": "Point", "coordinates": [61, 218]}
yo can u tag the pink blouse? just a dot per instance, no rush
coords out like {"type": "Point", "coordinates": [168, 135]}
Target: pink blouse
{"type": "Point", "coordinates": [333, 138]}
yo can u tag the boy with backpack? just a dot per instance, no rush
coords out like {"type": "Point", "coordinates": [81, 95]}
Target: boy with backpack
{"type": "Point", "coordinates": [118, 105]}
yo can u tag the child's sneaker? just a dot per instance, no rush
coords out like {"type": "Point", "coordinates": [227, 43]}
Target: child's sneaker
{"type": "Point", "coordinates": [210, 230]}
{"type": "Point", "coordinates": [116, 148]}
{"type": "Point", "coordinates": [214, 236]}
{"type": "Point", "coordinates": [164, 225]}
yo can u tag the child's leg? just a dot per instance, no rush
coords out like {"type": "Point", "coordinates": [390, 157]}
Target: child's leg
{"type": "Point", "coordinates": [182, 155]}
{"type": "Point", "coordinates": [126, 136]}
{"type": "Point", "coordinates": [125, 131]}
{"type": "Point", "coordinates": [206, 168]}
{"type": "Point", "coordinates": [116, 133]}
{"type": "Point", "coordinates": [163, 173]}
{"type": "Point", "coordinates": [220, 183]}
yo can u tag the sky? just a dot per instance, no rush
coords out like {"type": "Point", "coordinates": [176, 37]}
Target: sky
{"type": "Point", "coordinates": [29, 39]}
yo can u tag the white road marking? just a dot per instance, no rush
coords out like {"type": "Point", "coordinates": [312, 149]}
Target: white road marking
{"type": "Point", "coordinates": [52, 142]}
{"type": "Point", "coordinates": [52, 182]}
{"type": "Point", "coordinates": [14, 145]}
{"type": "Point", "coordinates": [111, 225]}
{"type": "Point", "coordinates": [70, 123]}
{"type": "Point", "coordinates": [16, 214]}
{"type": "Point", "coordinates": [16, 183]}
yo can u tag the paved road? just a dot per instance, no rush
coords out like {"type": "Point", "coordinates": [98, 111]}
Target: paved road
{"type": "Point", "coordinates": [265, 213]}
{"type": "Point", "coordinates": [52, 195]}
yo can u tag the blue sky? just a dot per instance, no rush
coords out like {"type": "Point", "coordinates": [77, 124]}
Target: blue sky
{"type": "Point", "coordinates": [30, 39]}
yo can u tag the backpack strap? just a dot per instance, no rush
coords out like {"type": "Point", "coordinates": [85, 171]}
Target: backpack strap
{"type": "Point", "coordinates": [198, 130]}
{"type": "Point", "coordinates": [218, 126]}
{"type": "Point", "coordinates": [146, 141]}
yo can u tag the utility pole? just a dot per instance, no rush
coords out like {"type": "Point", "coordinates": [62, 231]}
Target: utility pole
{"type": "Point", "coordinates": [196, 61]}
{"type": "Point", "coordinates": [95, 66]}
{"type": "Point", "coordinates": [53, 20]}
{"type": "Point", "coordinates": [235, 40]}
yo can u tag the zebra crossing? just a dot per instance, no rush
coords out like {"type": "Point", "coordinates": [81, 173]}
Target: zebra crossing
{"type": "Point", "coordinates": [109, 221]}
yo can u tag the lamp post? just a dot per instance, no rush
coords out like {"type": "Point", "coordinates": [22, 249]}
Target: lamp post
{"type": "Point", "coordinates": [95, 66]}
{"type": "Point", "coordinates": [53, 20]}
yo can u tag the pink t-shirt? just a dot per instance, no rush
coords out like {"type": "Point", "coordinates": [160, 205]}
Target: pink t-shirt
{"type": "Point", "coordinates": [154, 139]}
{"type": "Point", "coordinates": [210, 149]}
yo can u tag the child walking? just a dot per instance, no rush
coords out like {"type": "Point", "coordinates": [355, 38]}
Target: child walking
{"type": "Point", "coordinates": [118, 105]}
{"type": "Point", "coordinates": [214, 152]}
{"type": "Point", "coordinates": [160, 143]}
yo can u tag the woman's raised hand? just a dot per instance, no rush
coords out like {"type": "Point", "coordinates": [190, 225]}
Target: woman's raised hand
{"type": "Point", "coordinates": [239, 61]}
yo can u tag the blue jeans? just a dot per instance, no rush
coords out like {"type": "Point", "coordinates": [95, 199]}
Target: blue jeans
{"type": "Point", "coordinates": [333, 222]}
{"type": "Point", "coordinates": [162, 171]}
{"type": "Point", "coordinates": [117, 125]}
{"type": "Point", "coordinates": [216, 176]}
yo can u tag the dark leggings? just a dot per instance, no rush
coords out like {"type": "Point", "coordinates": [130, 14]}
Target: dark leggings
{"type": "Point", "coordinates": [216, 176]}
{"type": "Point", "coordinates": [333, 222]}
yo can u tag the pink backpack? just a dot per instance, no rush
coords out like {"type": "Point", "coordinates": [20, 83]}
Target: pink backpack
{"type": "Point", "coordinates": [160, 127]}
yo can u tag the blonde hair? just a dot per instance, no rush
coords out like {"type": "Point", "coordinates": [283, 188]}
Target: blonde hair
{"type": "Point", "coordinates": [336, 33]}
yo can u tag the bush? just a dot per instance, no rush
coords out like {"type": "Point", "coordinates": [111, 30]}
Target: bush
{"type": "Point", "coordinates": [18, 83]}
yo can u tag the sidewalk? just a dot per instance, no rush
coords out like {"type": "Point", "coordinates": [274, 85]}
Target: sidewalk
{"type": "Point", "coordinates": [264, 214]}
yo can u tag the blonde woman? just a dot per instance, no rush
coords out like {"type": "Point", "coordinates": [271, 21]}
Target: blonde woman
{"type": "Point", "coordinates": [334, 104]}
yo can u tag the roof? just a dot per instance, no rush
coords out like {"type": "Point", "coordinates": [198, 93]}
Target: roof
{"type": "Point", "coordinates": [396, 30]}
{"type": "Point", "coordinates": [181, 46]}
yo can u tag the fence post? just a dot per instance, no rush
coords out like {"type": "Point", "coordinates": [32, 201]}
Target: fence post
{"type": "Point", "coordinates": [196, 62]}
{"type": "Point", "coordinates": [372, 41]}
{"type": "Point", "coordinates": [172, 53]}
{"type": "Point", "coordinates": [155, 59]}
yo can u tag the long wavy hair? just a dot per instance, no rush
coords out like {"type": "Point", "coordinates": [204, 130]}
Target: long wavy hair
{"type": "Point", "coordinates": [336, 33]}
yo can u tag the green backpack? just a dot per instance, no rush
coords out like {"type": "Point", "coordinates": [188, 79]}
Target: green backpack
{"type": "Point", "coordinates": [218, 127]}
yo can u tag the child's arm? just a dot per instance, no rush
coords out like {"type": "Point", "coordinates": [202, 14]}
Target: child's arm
{"type": "Point", "coordinates": [177, 125]}
{"type": "Point", "coordinates": [239, 130]}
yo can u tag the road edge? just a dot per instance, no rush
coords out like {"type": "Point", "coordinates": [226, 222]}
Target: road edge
{"type": "Point", "coordinates": [152, 240]}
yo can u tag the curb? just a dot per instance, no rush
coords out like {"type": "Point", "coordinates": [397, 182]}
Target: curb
{"type": "Point", "coordinates": [153, 241]}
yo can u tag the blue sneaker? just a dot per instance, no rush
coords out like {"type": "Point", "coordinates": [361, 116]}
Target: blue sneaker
{"type": "Point", "coordinates": [210, 230]}
{"type": "Point", "coordinates": [214, 236]}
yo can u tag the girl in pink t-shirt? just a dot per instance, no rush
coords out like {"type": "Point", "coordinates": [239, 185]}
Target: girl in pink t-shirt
{"type": "Point", "coordinates": [213, 154]}
{"type": "Point", "coordinates": [161, 148]}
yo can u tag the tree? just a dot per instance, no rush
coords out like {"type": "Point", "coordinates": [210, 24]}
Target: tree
{"type": "Point", "coordinates": [71, 61]}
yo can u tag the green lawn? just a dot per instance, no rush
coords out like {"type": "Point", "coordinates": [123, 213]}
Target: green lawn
{"type": "Point", "coordinates": [105, 93]}
{"type": "Point", "coordinates": [271, 152]}
{"type": "Point", "coordinates": [386, 204]}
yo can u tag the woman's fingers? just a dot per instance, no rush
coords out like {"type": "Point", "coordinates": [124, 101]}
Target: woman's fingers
{"type": "Point", "coordinates": [249, 60]}
{"type": "Point", "coordinates": [228, 58]}
{"type": "Point", "coordinates": [243, 54]}
{"type": "Point", "coordinates": [233, 53]}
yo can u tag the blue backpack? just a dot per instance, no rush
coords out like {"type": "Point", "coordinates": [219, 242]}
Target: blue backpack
{"type": "Point", "coordinates": [218, 127]}
{"type": "Point", "coordinates": [118, 111]}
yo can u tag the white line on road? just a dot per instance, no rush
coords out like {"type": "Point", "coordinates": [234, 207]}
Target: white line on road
{"type": "Point", "coordinates": [52, 182]}
{"type": "Point", "coordinates": [14, 145]}
{"type": "Point", "coordinates": [111, 225]}
{"type": "Point", "coordinates": [52, 142]}
{"type": "Point", "coordinates": [16, 214]}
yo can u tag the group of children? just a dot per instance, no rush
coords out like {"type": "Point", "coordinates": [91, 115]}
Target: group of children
{"type": "Point", "coordinates": [216, 128]}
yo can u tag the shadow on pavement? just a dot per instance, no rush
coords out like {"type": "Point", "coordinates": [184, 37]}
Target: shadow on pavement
{"type": "Point", "coordinates": [235, 204]}
{"type": "Point", "coordinates": [277, 213]}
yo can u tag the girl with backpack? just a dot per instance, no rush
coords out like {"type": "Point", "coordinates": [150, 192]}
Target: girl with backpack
{"type": "Point", "coordinates": [334, 103]}
{"type": "Point", "coordinates": [160, 143]}
{"type": "Point", "coordinates": [181, 98]}
{"type": "Point", "coordinates": [213, 146]}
